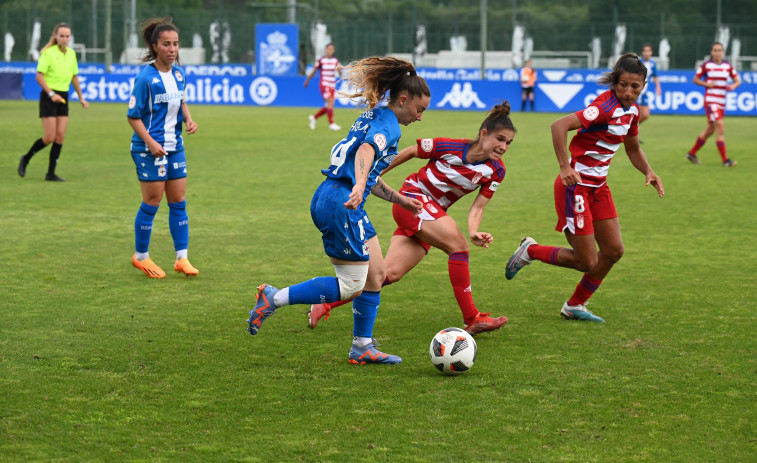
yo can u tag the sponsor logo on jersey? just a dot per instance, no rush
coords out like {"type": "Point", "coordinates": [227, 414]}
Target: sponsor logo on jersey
{"type": "Point", "coordinates": [166, 97]}
{"type": "Point", "coordinates": [461, 96]}
{"type": "Point", "coordinates": [132, 102]}
{"type": "Point", "coordinates": [494, 185]}
{"type": "Point", "coordinates": [591, 113]}
{"type": "Point", "coordinates": [155, 80]}
{"type": "Point", "coordinates": [380, 141]}
{"type": "Point", "coordinates": [178, 75]}
{"type": "Point", "coordinates": [427, 144]}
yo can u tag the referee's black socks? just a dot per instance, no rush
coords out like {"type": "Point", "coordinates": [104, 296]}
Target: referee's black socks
{"type": "Point", "coordinates": [38, 145]}
{"type": "Point", "coordinates": [54, 155]}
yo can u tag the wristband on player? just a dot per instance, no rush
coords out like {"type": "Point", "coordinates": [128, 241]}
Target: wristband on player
{"type": "Point", "coordinates": [52, 92]}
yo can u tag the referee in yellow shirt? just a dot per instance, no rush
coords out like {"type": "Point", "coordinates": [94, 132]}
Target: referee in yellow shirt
{"type": "Point", "coordinates": [56, 70]}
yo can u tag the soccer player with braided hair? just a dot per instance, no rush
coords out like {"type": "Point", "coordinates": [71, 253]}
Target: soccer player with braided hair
{"type": "Point", "coordinates": [585, 209]}
{"type": "Point", "coordinates": [337, 207]}
{"type": "Point", "coordinates": [455, 168]}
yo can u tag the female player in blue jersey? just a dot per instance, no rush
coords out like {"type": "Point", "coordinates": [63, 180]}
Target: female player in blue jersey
{"type": "Point", "coordinates": [349, 239]}
{"type": "Point", "coordinates": [157, 110]}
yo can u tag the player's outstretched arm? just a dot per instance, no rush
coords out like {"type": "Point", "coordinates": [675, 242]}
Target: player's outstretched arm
{"type": "Point", "coordinates": [475, 215]}
{"type": "Point", "coordinates": [639, 160]}
{"type": "Point", "coordinates": [402, 157]}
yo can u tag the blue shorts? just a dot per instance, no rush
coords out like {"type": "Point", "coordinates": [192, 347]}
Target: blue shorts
{"type": "Point", "coordinates": [345, 232]}
{"type": "Point", "coordinates": [152, 169]}
{"type": "Point", "coordinates": [644, 99]}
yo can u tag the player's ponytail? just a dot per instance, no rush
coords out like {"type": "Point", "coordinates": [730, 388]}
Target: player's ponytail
{"type": "Point", "coordinates": [372, 78]}
{"type": "Point", "coordinates": [497, 118]}
{"type": "Point", "coordinates": [151, 30]}
{"type": "Point", "coordinates": [630, 63]}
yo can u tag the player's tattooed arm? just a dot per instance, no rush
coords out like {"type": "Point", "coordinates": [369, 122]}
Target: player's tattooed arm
{"type": "Point", "coordinates": [383, 191]}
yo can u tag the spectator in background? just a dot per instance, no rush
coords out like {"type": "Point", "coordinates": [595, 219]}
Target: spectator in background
{"type": "Point", "coordinates": [527, 83]}
{"type": "Point", "coordinates": [57, 68]}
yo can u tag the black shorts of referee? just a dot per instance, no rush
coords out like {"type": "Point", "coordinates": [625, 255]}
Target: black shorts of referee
{"type": "Point", "coordinates": [49, 108]}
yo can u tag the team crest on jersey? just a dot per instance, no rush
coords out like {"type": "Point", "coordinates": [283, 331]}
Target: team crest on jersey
{"type": "Point", "coordinates": [580, 221]}
{"type": "Point", "coordinates": [591, 113]}
{"type": "Point", "coordinates": [380, 141]}
{"type": "Point", "coordinates": [427, 144]}
{"type": "Point", "coordinates": [477, 177]}
{"type": "Point", "coordinates": [365, 249]}
{"type": "Point", "coordinates": [178, 76]}
{"type": "Point", "coordinates": [132, 102]}
{"type": "Point", "coordinates": [162, 171]}
{"type": "Point", "coordinates": [431, 208]}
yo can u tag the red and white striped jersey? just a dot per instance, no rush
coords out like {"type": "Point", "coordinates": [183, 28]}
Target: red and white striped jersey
{"type": "Point", "coordinates": [718, 74]}
{"type": "Point", "coordinates": [606, 124]}
{"type": "Point", "coordinates": [328, 70]}
{"type": "Point", "coordinates": [448, 176]}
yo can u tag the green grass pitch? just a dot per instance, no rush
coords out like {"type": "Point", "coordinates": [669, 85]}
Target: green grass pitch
{"type": "Point", "coordinates": [100, 363]}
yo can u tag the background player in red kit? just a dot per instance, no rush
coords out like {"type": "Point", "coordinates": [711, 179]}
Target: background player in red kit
{"type": "Point", "coordinates": [713, 75]}
{"type": "Point", "coordinates": [455, 168]}
{"type": "Point", "coordinates": [585, 208]}
{"type": "Point", "coordinates": [330, 67]}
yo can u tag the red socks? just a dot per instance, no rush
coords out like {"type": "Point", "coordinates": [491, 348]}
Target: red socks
{"type": "Point", "coordinates": [721, 149]}
{"type": "Point", "coordinates": [321, 112]}
{"type": "Point", "coordinates": [584, 290]}
{"type": "Point", "coordinates": [699, 143]}
{"type": "Point", "coordinates": [459, 276]}
{"type": "Point", "coordinates": [546, 254]}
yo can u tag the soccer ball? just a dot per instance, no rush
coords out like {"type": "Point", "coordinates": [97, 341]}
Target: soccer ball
{"type": "Point", "coordinates": [453, 351]}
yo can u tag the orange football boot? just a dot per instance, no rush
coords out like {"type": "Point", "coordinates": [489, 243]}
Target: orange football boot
{"type": "Point", "coordinates": [148, 266]}
{"type": "Point", "coordinates": [183, 266]}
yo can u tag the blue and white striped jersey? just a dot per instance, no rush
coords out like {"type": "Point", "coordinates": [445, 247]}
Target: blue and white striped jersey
{"type": "Point", "coordinates": [156, 99]}
{"type": "Point", "coordinates": [378, 127]}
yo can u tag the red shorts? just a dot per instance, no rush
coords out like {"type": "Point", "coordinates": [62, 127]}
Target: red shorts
{"type": "Point", "coordinates": [579, 206]}
{"type": "Point", "coordinates": [409, 225]}
{"type": "Point", "coordinates": [327, 92]}
{"type": "Point", "coordinates": [715, 112]}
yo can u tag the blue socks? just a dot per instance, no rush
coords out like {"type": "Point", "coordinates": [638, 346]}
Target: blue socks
{"type": "Point", "coordinates": [319, 290]}
{"type": "Point", "coordinates": [364, 311]}
{"type": "Point", "coordinates": [178, 222]}
{"type": "Point", "coordinates": [143, 226]}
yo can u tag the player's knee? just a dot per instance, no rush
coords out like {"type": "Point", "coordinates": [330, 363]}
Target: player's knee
{"type": "Point", "coordinates": [394, 274]}
{"type": "Point", "coordinates": [614, 253]}
{"type": "Point", "coordinates": [351, 280]}
{"type": "Point", "coordinates": [586, 263]}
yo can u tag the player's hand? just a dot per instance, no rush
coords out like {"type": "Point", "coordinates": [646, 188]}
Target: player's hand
{"type": "Point", "coordinates": [156, 149]}
{"type": "Point", "coordinates": [411, 204]}
{"type": "Point", "coordinates": [191, 127]}
{"type": "Point", "coordinates": [356, 197]}
{"type": "Point", "coordinates": [57, 99]}
{"type": "Point", "coordinates": [655, 181]}
{"type": "Point", "coordinates": [84, 104]}
{"type": "Point", "coordinates": [481, 239]}
{"type": "Point", "coordinates": [569, 176]}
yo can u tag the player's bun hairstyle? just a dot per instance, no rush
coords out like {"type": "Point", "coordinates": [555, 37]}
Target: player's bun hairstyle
{"type": "Point", "coordinates": [53, 37]}
{"type": "Point", "coordinates": [374, 77]}
{"type": "Point", "coordinates": [151, 30]}
{"type": "Point", "coordinates": [630, 63]}
{"type": "Point", "coordinates": [498, 117]}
